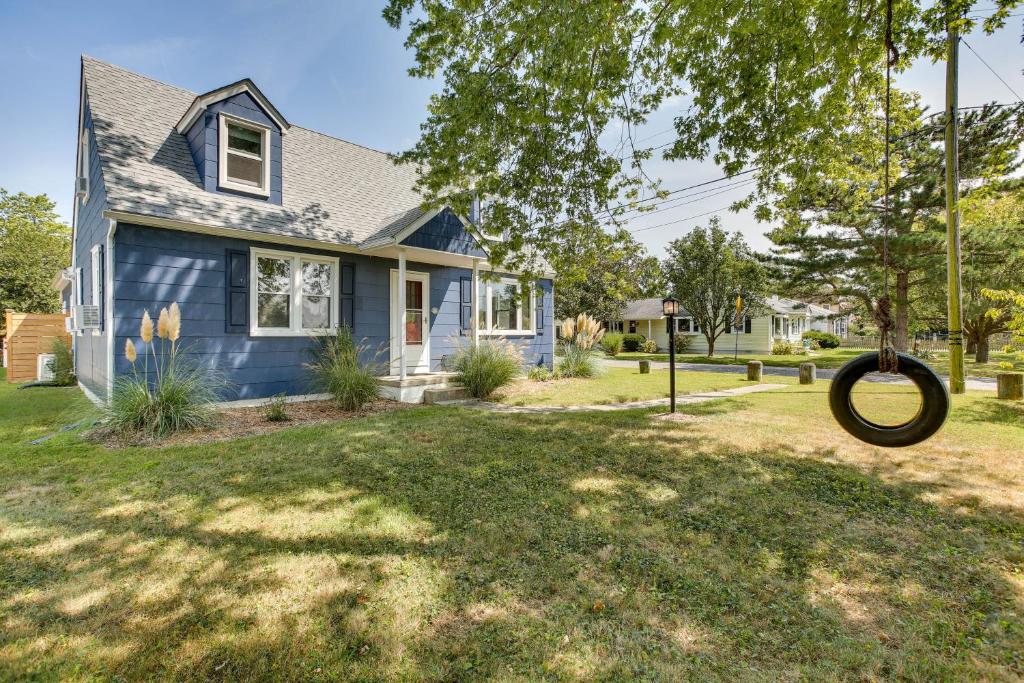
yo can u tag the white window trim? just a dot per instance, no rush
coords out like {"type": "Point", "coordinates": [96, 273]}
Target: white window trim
{"type": "Point", "coordinates": [488, 295]}
{"type": "Point", "coordinates": [94, 274]}
{"type": "Point", "coordinates": [295, 328]}
{"type": "Point", "coordinates": [223, 181]}
{"type": "Point", "coordinates": [83, 164]}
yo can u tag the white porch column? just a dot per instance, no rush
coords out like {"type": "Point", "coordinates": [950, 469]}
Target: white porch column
{"type": "Point", "coordinates": [649, 329]}
{"type": "Point", "coordinates": [401, 313]}
{"type": "Point", "coordinates": [475, 302]}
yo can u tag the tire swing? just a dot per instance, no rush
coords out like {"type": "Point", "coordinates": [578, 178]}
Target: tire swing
{"type": "Point", "coordinates": [934, 395]}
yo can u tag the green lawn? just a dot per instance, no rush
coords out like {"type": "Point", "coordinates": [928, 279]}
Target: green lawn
{"type": "Point", "coordinates": [752, 542]}
{"type": "Point", "coordinates": [617, 385]}
{"type": "Point", "coordinates": [833, 358]}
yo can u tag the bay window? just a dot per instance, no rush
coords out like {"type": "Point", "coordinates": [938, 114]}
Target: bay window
{"type": "Point", "coordinates": [505, 307]}
{"type": "Point", "coordinates": [293, 294]}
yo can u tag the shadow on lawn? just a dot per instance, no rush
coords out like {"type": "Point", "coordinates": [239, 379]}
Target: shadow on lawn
{"type": "Point", "coordinates": [557, 545]}
{"type": "Point", "coordinates": [994, 411]}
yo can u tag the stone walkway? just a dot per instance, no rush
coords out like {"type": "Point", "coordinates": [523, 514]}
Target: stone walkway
{"type": "Point", "coordinates": [684, 399]}
{"type": "Point", "coordinates": [973, 383]}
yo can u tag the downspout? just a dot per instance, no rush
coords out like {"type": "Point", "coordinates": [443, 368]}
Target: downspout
{"type": "Point", "coordinates": [108, 305]}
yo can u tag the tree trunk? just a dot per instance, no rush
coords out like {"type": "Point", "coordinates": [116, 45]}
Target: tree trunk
{"type": "Point", "coordinates": [972, 345]}
{"type": "Point", "coordinates": [711, 345]}
{"type": "Point", "coordinates": [901, 336]}
{"type": "Point", "coordinates": [981, 354]}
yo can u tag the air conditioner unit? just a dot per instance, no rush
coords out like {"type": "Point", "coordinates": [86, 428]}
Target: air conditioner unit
{"type": "Point", "coordinates": [81, 186]}
{"type": "Point", "coordinates": [44, 373]}
{"type": "Point", "coordinates": [87, 317]}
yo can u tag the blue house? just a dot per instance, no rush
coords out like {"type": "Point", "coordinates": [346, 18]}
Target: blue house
{"type": "Point", "coordinates": [268, 234]}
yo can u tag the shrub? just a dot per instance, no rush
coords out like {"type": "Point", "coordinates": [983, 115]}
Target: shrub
{"type": "Point", "coordinates": [179, 396]}
{"type": "Point", "coordinates": [649, 346]}
{"type": "Point", "coordinates": [275, 411]}
{"type": "Point", "coordinates": [540, 374]}
{"type": "Point", "coordinates": [485, 367]}
{"type": "Point", "coordinates": [632, 341]}
{"type": "Point", "coordinates": [578, 362]}
{"type": "Point", "coordinates": [337, 369]}
{"type": "Point", "coordinates": [581, 335]}
{"type": "Point", "coordinates": [826, 340]}
{"type": "Point", "coordinates": [683, 342]}
{"type": "Point", "coordinates": [611, 342]}
{"type": "Point", "coordinates": [62, 365]}
{"type": "Point", "coordinates": [781, 347]}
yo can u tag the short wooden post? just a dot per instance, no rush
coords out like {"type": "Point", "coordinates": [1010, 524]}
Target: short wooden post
{"type": "Point", "coordinates": [1010, 386]}
{"type": "Point", "coordinates": [808, 373]}
{"type": "Point", "coordinates": [645, 367]}
{"type": "Point", "coordinates": [754, 368]}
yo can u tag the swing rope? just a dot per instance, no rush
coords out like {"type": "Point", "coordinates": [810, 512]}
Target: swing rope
{"type": "Point", "coordinates": [882, 312]}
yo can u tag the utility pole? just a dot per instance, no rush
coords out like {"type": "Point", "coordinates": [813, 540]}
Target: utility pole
{"type": "Point", "coordinates": [954, 296]}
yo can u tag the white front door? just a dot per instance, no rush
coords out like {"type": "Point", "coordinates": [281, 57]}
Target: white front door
{"type": "Point", "coordinates": [416, 320]}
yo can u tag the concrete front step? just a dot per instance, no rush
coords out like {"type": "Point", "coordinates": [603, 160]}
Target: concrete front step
{"type": "Point", "coordinates": [448, 392]}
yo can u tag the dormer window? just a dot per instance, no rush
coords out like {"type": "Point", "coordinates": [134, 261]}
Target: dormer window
{"type": "Point", "coordinates": [244, 163]}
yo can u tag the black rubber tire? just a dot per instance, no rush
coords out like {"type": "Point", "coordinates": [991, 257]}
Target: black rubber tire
{"type": "Point", "coordinates": [929, 419]}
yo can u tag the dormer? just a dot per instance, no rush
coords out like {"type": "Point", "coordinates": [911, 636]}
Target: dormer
{"type": "Point", "coordinates": [234, 134]}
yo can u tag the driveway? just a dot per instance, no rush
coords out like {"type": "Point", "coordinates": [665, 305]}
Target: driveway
{"type": "Point", "coordinates": [973, 383]}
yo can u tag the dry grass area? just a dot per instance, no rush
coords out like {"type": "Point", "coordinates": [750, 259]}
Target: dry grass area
{"type": "Point", "coordinates": [233, 423]}
{"type": "Point", "coordinates": [755, 543]}
{"type": "Point", "coordinates": [617, 385]}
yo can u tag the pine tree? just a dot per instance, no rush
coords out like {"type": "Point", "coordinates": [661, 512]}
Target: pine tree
{"type": "Point", "coordinates": [832, 239]}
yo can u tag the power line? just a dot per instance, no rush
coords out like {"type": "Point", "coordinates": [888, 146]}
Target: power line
{"type": "Point", "coordinates": [680, 220]}
{"type": "Point", "coordinates": [714, 192]}
{"type": "Point", "coordinates": [994, 73]}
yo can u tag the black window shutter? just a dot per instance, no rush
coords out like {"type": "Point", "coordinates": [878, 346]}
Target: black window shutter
{"type": "Point", "coordinates": [236, 294]}
{"type": "Point", "coordinates": [466, 303]}
{"type": "Point", "coordinates": [746, 325]}
{"type": "Point", "coordinates": [101, 289]}
{"type": "Point", "coordinates": [539, 313]}
{"type": "Point", "coordinates": [347, 299]}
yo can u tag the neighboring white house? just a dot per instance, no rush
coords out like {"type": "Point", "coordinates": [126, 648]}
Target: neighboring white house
{"type": "Point", "coordinates": [784, 319]}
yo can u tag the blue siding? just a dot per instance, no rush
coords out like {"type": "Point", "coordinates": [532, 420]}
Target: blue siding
{"type": "Point", "coordinates": [91, 345]}
{"type": "Point", "coordinates": [445, 232]}
{"type": "Point", "coordinates": [155, 267]}
{"type": "Point", "coordinates": [202, 142]}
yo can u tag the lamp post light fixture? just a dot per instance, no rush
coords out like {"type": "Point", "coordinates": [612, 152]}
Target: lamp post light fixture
{"type": "Point", "coordinates": [670, 307]}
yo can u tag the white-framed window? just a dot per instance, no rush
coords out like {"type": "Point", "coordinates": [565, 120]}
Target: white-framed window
{"type": "Point", "coordinates": [505, 308]}
{"type": "Point", "coordinates": [292, 294]}
{"type": "Point", "coordinates": [94, 275]}
{"type": "Point", "coordinates": [83, 164]}
{"type": "Point", "coordinates": [687, 325]}
{"type": "Point", "coordinates": [243, 156]}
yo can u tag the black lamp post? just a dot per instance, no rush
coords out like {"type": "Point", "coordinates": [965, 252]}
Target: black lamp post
{"type": "Point", "coordinates": [670, 306]}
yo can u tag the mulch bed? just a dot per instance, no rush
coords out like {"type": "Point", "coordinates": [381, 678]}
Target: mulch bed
{"type": "Point", "coordinates": [233, 423]}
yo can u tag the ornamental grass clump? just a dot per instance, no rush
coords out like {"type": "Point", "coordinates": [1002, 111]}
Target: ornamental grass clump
{"type": "Point", "coordinates": [174, 395]}
{"type": "Point", "coordinates": [485, 367]}
{"type": "Point", "coordinates": [338, 370]}
{"type": "Point", "coordinates": [580, 336]}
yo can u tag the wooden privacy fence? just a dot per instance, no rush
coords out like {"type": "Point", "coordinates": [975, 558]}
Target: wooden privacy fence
{"type": "Point", "coordinates": [28, 335]}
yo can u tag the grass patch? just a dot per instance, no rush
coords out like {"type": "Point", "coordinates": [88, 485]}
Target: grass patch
{"type": "Point", "coordinates": [757, 543]}
{"type": "Point", "coordinates": [831, 359]}
{"type": "Point", "coordinates": [618, 385]}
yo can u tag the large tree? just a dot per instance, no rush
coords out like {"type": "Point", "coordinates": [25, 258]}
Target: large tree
{"type": "Point", "coordinates": [34, 245]}
{"type": "Point", "coordinates": [832, 238]}
{"type": "Point", "coordinates": [993, 259]}
{"type": "Point", "coordinates": [540, 98]}
{"type": "Point", "coordinates": [598, 273]}
{"type": "Point", "coordinates": [706, 270]}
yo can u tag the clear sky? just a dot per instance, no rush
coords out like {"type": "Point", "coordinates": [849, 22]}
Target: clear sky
{"type": "Point", "coordinates": [332, 66]}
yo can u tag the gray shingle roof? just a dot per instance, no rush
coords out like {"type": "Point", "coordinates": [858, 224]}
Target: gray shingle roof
{"type": "Point", "coordinates": [333, 191]}
{"type": "Point", "coordinates": [647, 309]}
